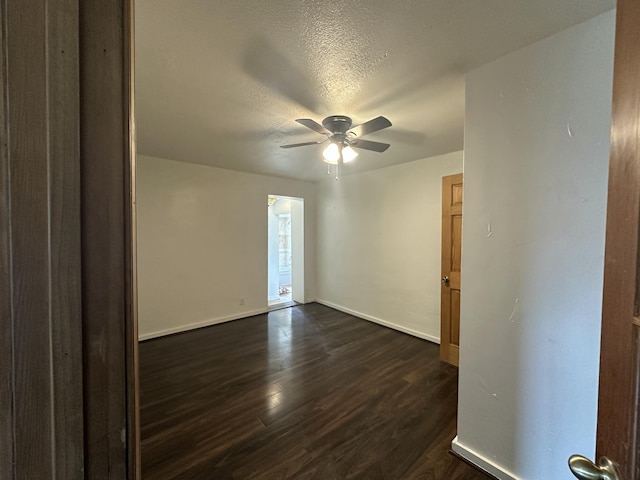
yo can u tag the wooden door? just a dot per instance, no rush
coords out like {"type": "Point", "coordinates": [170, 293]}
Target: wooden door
{"type": "Point", "coordinates": [618, 401]}
{"type": "Point", "coordinates": [617, 437]}
{"type": "Point", "coordinates": [451, 253]}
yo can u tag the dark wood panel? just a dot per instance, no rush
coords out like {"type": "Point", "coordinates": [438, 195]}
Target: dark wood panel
{"type": "Point", "coordinates": [42, 393]}
{"type": "Point", "coordinates": [301, 393]}
{"type": "Point", "coordinates": [43, 344]}
{"type": "Point", "coordinates": [27, 94]}
{"type": "Point", "coordinates": [6, 324]}
{"type": "Point", "coordinates": [64, 234]}
{"type": "Point", "coordinates": [617, 407]}
{"type": "Point", "coordinates": [106, 195]}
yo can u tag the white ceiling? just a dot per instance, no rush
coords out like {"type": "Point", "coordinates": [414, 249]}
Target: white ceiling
{"type": "Point", "coordinates": [220, 82]}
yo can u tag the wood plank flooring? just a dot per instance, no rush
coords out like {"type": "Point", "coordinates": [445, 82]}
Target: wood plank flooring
{"type": "Point", "coordinates": [300, 393]}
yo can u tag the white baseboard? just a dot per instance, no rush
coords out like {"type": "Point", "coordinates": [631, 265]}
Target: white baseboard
{"type": "Point", "coordinates": [481, 462]}
{"type": "Point", "coordinates": [206, 323]}
{"type": "Point", "coordinates": [380, 321]}
{"type": "Point", "coordinates": [237, 316]}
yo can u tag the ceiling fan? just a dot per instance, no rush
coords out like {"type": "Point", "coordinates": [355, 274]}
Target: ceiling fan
{"type": "Point", "coordinates": [343, 137]}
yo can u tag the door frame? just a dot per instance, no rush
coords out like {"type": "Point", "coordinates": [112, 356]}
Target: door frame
{"type": "Point", "coordinates": [107, 153]}
{"type": "Point", "coordinates": [297, 272]}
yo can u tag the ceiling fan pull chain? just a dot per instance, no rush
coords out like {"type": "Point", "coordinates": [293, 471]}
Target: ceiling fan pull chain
{"type": "Point", "coordinates": [337, 170]}
{"type": "Point", "coordinates": [328, 169]}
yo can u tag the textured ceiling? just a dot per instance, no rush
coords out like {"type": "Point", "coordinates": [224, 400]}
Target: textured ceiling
{"type": "Point", "coordinates": [220, 82]}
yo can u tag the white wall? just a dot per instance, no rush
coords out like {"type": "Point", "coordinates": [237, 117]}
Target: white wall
{"type": "Point", "coordinates": [536, 153]}
{"type": "Point", "coordinates": [202, 243]}
{"type": "Point", "coordinates": [379, 242]}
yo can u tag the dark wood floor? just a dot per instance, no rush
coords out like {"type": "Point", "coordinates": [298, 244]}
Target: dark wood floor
{"type": "Point", "coordinates": [301, 393]}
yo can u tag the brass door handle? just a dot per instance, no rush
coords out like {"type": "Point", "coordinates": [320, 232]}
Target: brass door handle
{"type": "Point", "coordinates": [585, 469]}
{"type": "Point", "coordinates": [445, 280]}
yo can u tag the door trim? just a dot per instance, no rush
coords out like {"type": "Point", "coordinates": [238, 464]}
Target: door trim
{"type": "Point", "coordinates": [107, 132]}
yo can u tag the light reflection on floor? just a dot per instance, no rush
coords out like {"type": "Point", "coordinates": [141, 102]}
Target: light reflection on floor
{"type": "Point", "coordinates": [279, 354]}
{"type": "Point", "coordinates": [274, 395]}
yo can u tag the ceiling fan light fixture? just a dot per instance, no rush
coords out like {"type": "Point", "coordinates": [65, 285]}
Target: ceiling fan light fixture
{"type": "Point", "coordinates": [348, 154]}
{"type": "Point", "coordinates": [331, 154]}
{"type": "Point", "coordinates": [340, 133]}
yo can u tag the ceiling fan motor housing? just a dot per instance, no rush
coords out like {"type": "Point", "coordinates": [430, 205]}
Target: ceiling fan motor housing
{"type": "Point", "coordinates": [338, 124]}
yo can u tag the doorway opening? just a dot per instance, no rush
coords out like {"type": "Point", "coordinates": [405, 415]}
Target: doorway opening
{"type": "Point", "coordinates": [285, 237]}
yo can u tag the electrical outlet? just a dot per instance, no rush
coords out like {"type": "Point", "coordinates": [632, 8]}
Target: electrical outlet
{"type": "Point", "coordinates": [241, 301]}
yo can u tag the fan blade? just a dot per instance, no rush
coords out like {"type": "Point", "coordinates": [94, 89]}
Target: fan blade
{"type": "Point", "coordinates": [313, 125]}
{"type": "Point", "coordinates": [371, 126]}
{"type": "Point", "coordinates": [369, 145]}
{"type": "Point", "coordinates": [302, 144]}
